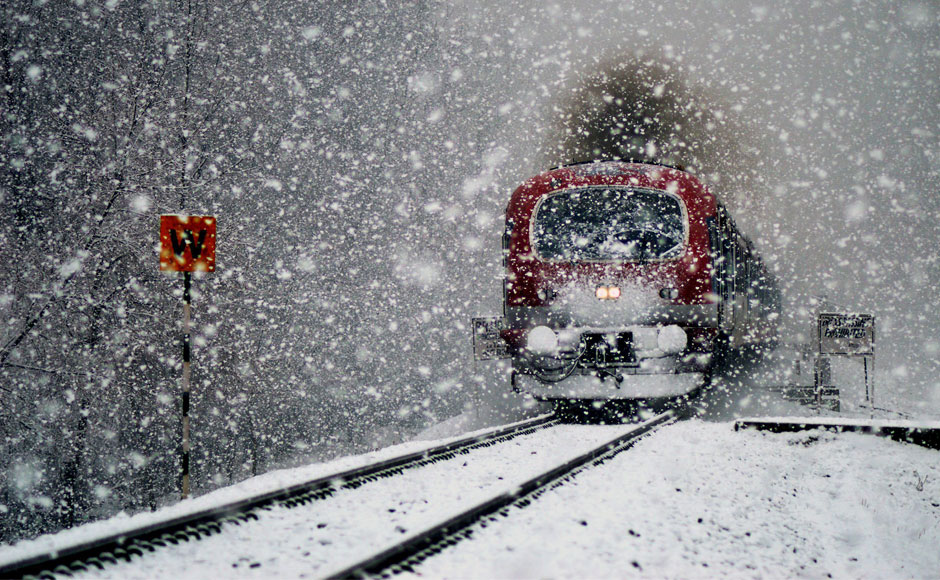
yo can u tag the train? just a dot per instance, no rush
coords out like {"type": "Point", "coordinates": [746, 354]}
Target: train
{"type": "Point", "coordinates": [624, 281]}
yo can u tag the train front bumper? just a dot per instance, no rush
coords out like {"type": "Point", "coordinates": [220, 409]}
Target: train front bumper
{"type": "Point", "coordinates": [592, 387]}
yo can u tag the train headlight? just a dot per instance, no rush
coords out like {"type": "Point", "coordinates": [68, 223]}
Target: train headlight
{"type": "Point", "coordinates": [672, 339]}
{"type": "Point", "coordinates": [542, 340]}
{"type": "Point", "coordinates": [668, 293]}
{"type": "Point", "coordinates": [607, 292]}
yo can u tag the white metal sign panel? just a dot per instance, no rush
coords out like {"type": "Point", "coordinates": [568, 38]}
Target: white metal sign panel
{"type": "Point", "coordinates": [487, 343]}
{"type": "Point", "coordinates": [847, 334]}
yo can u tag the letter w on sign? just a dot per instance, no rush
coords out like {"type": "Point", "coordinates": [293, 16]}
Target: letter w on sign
{"type": "Point", "coordinates": [187, 243]}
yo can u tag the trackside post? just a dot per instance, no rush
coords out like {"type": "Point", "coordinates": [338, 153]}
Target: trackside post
{"type": "Point", "coordinates": [187, 244]}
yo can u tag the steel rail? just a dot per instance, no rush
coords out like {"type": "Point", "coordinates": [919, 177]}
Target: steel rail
{"type": "Point", "coordinates": [124, 545]}
{"type": "Point", "coordinates": [405, 555]}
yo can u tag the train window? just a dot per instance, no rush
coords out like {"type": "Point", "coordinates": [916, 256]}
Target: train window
{"type": "Point", "coordinates": [717, 262]}
{"type": "Point", "coordinates": [740, 268]}
{"type": "Point", "coordinates": [610, 223]}
{"type": "Point", "coordinates": [727, 251]}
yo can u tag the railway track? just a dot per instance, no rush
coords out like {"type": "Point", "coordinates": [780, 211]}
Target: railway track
{"type": "Point", "coordinates": [115, 548]}
{"type": "Point", "coordinates": [407, 554]}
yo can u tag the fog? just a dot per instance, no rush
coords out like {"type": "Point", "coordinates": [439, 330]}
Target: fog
{"type": "Point", "coordinates": [832, 119]}
{"type": "Point", "coordinates": [359, 160]}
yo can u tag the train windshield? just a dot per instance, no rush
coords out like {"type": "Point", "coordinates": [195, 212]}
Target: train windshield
{"type": "Point", "coordinates": [609, 223]}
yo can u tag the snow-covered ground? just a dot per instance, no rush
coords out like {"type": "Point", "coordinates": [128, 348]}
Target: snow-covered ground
{"type": "Point", "coordinates": [256, 486]}
{"type": "Point", "coordinates": [332, 533]}
{"type": "Point", "coordinates": [699, 500]}
{"type": "Point", "coordinates": [695, 499]}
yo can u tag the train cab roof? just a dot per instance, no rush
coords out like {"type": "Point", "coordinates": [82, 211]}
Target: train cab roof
{"type": "Point", "coordinates": [671, 179]}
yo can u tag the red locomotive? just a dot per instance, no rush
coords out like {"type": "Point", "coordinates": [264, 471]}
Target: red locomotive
{"type": "Point", "coordinates": [625, 281]}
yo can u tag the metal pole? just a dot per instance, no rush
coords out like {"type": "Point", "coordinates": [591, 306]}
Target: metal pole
{"type": "Point", "coordinates": [867, 390]}
{"type": "Point", "coordinates": [186, 377]}
{"type": "Point", "coordinates": [873, 362]}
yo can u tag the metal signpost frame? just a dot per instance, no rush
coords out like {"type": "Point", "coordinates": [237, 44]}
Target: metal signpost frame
{"type": "Point", "coordinates": [187, 244]}
{"type": "Point", "coordinates": [851, 335]}
{"type": "Point", "coordinates": [487, 342]}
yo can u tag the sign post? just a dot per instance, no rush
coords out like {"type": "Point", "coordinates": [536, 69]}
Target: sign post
{"type": "Point", "coordinates": [850, 335]}
{"type": "Point", "coordinates": [187, 244]}
{"type": "Point", "coordinates": [487, 343]}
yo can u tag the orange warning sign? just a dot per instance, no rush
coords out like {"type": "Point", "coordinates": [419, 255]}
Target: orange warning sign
{"type": "Point", "coordinates": [187, 243]}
